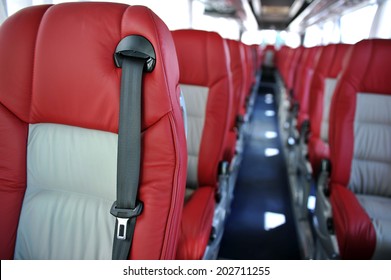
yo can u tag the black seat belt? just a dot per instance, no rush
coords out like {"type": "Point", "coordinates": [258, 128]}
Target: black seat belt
{"type": "Point", "coordinates": [134, 54]}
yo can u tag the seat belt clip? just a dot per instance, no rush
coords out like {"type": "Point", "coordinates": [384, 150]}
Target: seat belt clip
{"type": "Point", "coordinates": [123, 215]}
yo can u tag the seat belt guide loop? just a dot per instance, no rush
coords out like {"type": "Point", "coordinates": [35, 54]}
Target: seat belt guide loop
{"type": "Point", "coordinates": [137, 47]}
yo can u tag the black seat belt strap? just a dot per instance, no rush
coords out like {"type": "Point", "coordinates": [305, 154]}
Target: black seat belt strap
{"type": "Point", "coordinates": [134, 54]}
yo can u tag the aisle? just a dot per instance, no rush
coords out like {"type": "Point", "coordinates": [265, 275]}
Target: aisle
{"type": "Point", "coordinates": [261, 225]}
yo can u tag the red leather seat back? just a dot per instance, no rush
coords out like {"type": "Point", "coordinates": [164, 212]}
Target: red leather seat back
{"type": "Point", "coordinates": [250, 63]}
{"type": "Point", "coordinates": [59, 102]}
{"type": "Point", "coordinates": [321, 92]}
{"type": "Point", "coordinates": [300, 73]}
{"type": "Point", "coordinates": [236, 55]}
{"type": "Point", "coordinates": [292, 67]}
{"type": "Point", "coordinates": [317, 88]}
{"type": "Point", "coordinates": [247, 80]}
{"type": "Point", "coordinates": [302, 86]}
{"type": "Point", "coordinates": [360, 145]}
{"type": "Point", "coordinates": [207, 86]}
{"type": "Point", "coordinates": [257, 51]}
{"type": "Point", "coordinates": [282, 57]}
{"type": "Point", "coordinates": [236, 68]}
{"type": "Point", "coordinates": [367, 71]}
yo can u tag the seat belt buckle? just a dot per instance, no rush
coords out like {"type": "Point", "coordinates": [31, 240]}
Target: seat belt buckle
{"type": "Point", "coordinates": [123, 215]}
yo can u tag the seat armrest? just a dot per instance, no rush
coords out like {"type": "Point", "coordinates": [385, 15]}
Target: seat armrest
{"type": "Point", "coordinates": [195, 226]}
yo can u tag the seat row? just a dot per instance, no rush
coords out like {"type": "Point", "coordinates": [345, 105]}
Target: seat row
{"type": "Point", "coordinates": [334, 115]}
{"type": "Point", "coordinates": [216, 79]}
{"type": "Point", "coordinates": [61, 87]}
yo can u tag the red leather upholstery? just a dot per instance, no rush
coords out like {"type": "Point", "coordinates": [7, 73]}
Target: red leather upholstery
{"type": "Point", "coordinates": [236, 66]}
{"type": "Point", "coordinates": [300, 72]}
{"type": "Point", "coordinates": [196, 224]}
{"type": "Point", "coordinates": [367, 71]}
{"type": "Point", "coordinates": [56, 66]}
{"type": "Point", "coordinates": [287, 61]}
{"type": "Point", "coordinates": [282, 57]}
{"type": "Point", "coordinates": [246, 78]}
{"type": "Point", "coordinates": [258, 53]}
{"type": "Point", "coordinates": [309, 60]}
{"type": "Point", "coordinates": [292, 68]}
{"type": "Point", "coordinates": [20, 33]}
{"type": "Point", "coordinates": [250, 63]}
{"type": "Point", "coordinates": [235, 69]}
{"type": "Point", "coordinates": [202, 58]}
{"type": "Point", "coordinates": [353, 227]}
{"type": "Point", "coordinates": [329, 66]}
{"type": "Point", "coordinates": [316, 147]}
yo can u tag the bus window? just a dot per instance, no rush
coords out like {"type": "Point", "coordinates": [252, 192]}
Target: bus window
{"type": "Point", "coordinates": [255, 37]}
{"type": "Point", "coordinates": [271, 37]}
{"type": "Point", "coordinates": [291, 39]}
{"type": "Point", "coordinates": [356, 25]}
{"type": "Point", "coordinates": [3, 11]}
{"type": "Point", "coordinates": [381, 27]}
{"type": "Point", "coordinates": [331, 32]}
{"type": "Point", "coordinates": [313, 36]}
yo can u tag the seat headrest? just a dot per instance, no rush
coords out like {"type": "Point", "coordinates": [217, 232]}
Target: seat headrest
{"type": "Point", "coordinates": [368, 66]}
{"type": "Point", "coordinates": [57, 64]}
{"type": "Point", "coordinates": [339, 59]}
{"type": "Point", "coordinates": [199, 56]}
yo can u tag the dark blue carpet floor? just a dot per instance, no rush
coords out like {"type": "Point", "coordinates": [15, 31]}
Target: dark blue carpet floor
{"type": "Point", "coordinates": [262, 187]}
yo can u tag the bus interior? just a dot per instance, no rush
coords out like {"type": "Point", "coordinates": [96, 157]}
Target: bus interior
{"type": "Point", "coordinates": [263, 129]}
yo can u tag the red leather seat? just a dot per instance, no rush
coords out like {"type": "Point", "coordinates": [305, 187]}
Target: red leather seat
{"type": "Point", "coordinates": [360, 148]}
{"type": "Point", "coordinates": [321, 92]}
{"type": "Point", "coordinates": [236, 69]}
{"type": "Point", "coordinates": [247, 79]}
{"type": "Point", "coordinates": [207, 88]}
{"type": "Point", "coordinates": [282, 57]}
{"type": "Point", "coordinates": [286, 95]}
{"type": "Point", "coordinates": [288, 60]}
{"type": "Point", "coordinates": [239, 121]}
{"type": "Point", "coordinates": [250, 62]}
{"type": "Point", "coordinates": [310, 58]}
{"type": "Point", "coordinates": [258, 56]}
{"type": "Point", "coordinates": [300, 69]}
{"type": "Point", "coordinates": [288, 63]}
{"type": "Point", "coordinates": [251, 80]}
{"type": "Point", "coordinates": [292, 67]}
{"type": "Point", "coordinates": [59, 103]}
